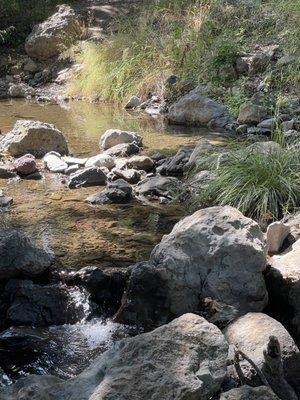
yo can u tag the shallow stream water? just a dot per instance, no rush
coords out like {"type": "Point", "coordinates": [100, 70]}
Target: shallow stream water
{"type": "Point", "coordinates": [79, 234]}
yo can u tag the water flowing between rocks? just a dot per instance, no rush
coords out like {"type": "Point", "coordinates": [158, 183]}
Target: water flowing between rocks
{"type": "Point", "coordinates": [80, 235]}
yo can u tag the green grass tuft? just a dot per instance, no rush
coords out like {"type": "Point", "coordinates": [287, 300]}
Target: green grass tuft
{"type": "Point", "coordinates": [262, 186]}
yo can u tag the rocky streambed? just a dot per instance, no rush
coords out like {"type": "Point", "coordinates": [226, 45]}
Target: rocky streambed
{"type": "Point", "coordinates": [99, 305]}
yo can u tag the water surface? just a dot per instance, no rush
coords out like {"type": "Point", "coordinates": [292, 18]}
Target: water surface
{"type": "Point", "coordinates": [59, 219]}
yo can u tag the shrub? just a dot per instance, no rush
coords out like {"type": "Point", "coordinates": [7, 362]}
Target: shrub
{"type": "Point", "coordinates": [262, 186]}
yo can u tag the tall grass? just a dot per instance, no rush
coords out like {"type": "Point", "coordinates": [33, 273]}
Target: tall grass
{"type": "Point", "coordinates": [195, 39]}
{"type": "Point", "coordinates": [263, 186]}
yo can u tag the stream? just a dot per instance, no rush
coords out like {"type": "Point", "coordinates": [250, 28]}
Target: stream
{"type": "Point", "coordinates": [81, 235]}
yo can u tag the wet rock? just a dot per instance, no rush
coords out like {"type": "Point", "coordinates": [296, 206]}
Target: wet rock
{"type": "Point", "coordinates": [185, 359]}
{"type": "Point", "coordinates": [283, 281]}
{"type": "Point", "coordinates": [25, 165]}
{"type": "Point", "coordinates": [250, 393]}
{"type": "Point", "coordinates": [251, 334]}
{"type": "Point", "coordinates": [141, 163]}
{"type": "Point", "coordinates": [218, 246]}
{"type": "Point", "coordinates": [54, 163]}
{"type": "Point", "coordinates": [173, 166]}
{"type": "Point", "coordinates": [117, 192]}
{"type": "Point", "coordinates": [158, 186]}
{"type": "Point", "coordinates": [7, 172]}
{"type": "Point", "coordinates": [92, 176]}
{"type": "Point", "coordinates": [101, 160]}
{"type": "Point", "coordinates": [276, 234]}
{"type": "Point", "coordinates": [50, 37]}
{"type": "Point", "coordinates": [105, 286]}
{"type": "Point", "coordinates": [123, 150]}
{"type": "Point", "coordinates": [129, 175]}
{"type": "Point", "coordinates": [34, 137]}
{"type": "Point", "coordinates": [42, 305]}
{"type": "Point", "coordinates": [133, 103]}
{"type": "Point", "coordinates": [20, 90]}
{"type": "Point", "coordinates": [197, 109]}
{"type": "Point", "coordinates": [251, 114]}
{"type": "Point", "coordinates": [19, 257]}
{"type": "Point", "coordinates": [113, 137]}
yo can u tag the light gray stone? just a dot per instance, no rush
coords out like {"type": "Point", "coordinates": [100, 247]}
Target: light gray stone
{"type": "Point", "coordinates": [101, 160]}
{"type": "Point", "coordinates": [92, 176]}
{"type": "Point", "coordinates": [50, 37]}
{"type": "Point", "coordinates": [276, 233]}
{"type": "Point", "coordinates": [54, 163]}
{"type": "Point", "coordinates": [216, 252]}
{"type": "Point", "coordinates": [113, 137]}
{"type": "Point", "coordinates": [184, 360]}
{"type": "Point", "coordinates": [34, 137]}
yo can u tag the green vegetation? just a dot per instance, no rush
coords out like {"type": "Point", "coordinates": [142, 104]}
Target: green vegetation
{"type": "Point", "coordinates": [19, 16]}
{"type": "Point", "coordinates": [263, 186]}
{"type": "Point", "coordinates": [197, 40]}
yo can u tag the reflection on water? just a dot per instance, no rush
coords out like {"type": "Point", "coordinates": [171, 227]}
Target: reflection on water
{"type": "Point", "coordinates": [63, 351]}
{"type": "Point", "coordinates": [59, 219]}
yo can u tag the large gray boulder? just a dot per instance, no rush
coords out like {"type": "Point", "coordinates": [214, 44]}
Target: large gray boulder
{"type": "Point", "coordinates": [283, 281]}
{"type": "Point", "coordinates": [34, 137]}
{"type": "Point", "coordinates": [184, 360]}
{"type": "Point", "coordinates": [215, 253]}
{"type": "Point", "coordinates": [114, 137]}
{"type": "Point", "coordinates": [19, 257]}
{"type": "Point", "coordinates": [195, 108]}
{"type": "Point", "coordinates": [250, 393]}
{"type": "Point", "coordinates": [250, 334]}
{"type": "Point", "coordinates": [52, 36]}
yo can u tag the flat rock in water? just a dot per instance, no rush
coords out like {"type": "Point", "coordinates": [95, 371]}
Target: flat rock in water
{"type": "Point", "coordinates": [92, 176]}
{"type": "Point", "coordinates": [185, 359]}
{"type": "Point", "coordinates": [54, 162]}
{"type": "Point", "coordinates": [117, 192]}
{"type": "Point", "coordinates": [158, 186]}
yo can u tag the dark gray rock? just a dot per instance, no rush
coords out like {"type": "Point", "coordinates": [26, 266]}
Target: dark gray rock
{"type": "Point", "coordinates": [173, 166]}
{"type": "Point", "coordinates": [6, 201]}
{"type": "Point", "coordinates": [92, 176]}
{"type": "Point", "coordinates": [42, 305]}
{"type": "Point", "coordinates": [7, 172]}
{"type": "Point", "coordinates": [117, 192]}
{"type": "Point", "coordinates": [25, 165]}
{"type": "Point", "coordinates": [19, 257]}
{"type": "Point", "coordinates": [158, 186]}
